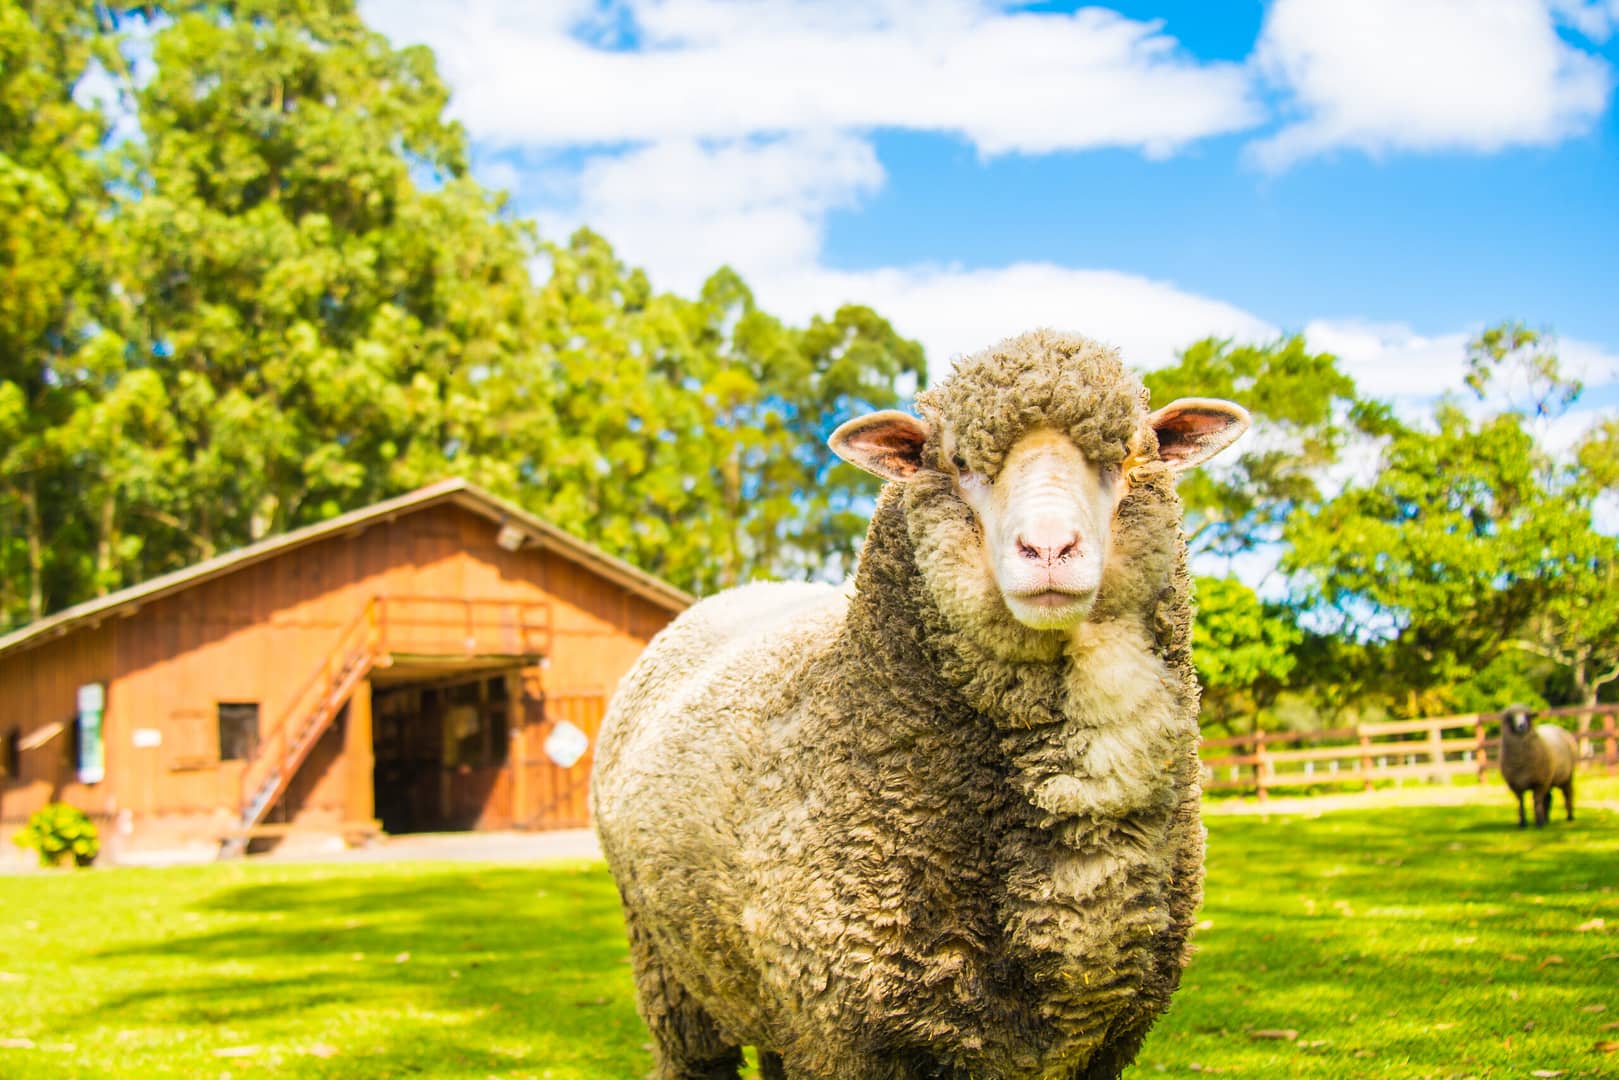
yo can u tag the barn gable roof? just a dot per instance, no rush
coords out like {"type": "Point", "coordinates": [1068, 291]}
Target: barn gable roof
{"type": "Point", "coordinates": [536, 531]}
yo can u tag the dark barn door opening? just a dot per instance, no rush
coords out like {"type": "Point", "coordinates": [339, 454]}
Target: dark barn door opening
{"type": "Point", "coordinates": [440, 751]}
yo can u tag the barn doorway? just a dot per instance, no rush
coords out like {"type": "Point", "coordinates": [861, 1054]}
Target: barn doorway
{"type": "Point", "coordinates": [441, 750]}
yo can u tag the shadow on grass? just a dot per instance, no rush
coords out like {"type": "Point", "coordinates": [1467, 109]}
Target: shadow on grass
{"type": "Point", "coordinates": [1396, 942]}
{"type": "Point", "coordinates": [490, 972]}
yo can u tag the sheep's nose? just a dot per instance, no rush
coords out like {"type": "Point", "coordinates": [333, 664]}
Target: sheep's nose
{"type": "Point", "coordinates": [1048, 549]}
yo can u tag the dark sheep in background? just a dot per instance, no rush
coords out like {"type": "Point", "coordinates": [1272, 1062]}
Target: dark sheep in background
{"type": "Point", "coordinates": [1537, 758]}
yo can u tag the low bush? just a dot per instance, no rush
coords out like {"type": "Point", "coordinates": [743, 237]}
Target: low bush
{"type": "Point", "coordinates": [60, 833]}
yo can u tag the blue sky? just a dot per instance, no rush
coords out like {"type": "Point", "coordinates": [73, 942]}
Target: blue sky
{"type": "Point", "coordinates": [1386, 176]}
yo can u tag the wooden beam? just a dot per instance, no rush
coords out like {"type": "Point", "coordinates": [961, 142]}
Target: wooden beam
{"type": "Point", "coordinates": [517, 756]}
{"type": "Point", "coordinates": [359, 803]}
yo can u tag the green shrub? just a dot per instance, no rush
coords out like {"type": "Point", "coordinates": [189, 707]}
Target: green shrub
{"type": "Point", "coordinates": [59, 832]}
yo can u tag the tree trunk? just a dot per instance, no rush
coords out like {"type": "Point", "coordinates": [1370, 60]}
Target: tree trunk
{"type": "Point", "coordinates": [36, 553]}
{"type": "Point", "coordinates": [205, 534]}
{"type": "Point", "coordinates": [733, 510]}
{"type": "Point", "coordinates": [106, 542]}
{"type": "Point", "coordinates": [1582, 684]}
{"type": "Point", "coordinates": [6, 596]}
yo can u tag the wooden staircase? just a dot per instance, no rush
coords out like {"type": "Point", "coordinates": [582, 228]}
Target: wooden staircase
{"type": "Point", "coordinates": [314, 706]}
{"type": "Point", "coordinates": [432, 626]}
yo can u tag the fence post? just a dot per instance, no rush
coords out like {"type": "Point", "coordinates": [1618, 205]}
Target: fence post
{"type": "Point", "coordinates": [1365, 757]}
{"type": "Point", "coordinates": [1611, 750]}
{"type": "Point", "coordinates": [1582, 736]}
{"type": "Point", "coordinates": [1436, 751]}
{"type": "Point", "coordinates": [1261, 765]}
{"type": "Point", "coordinates": [1481, 754]}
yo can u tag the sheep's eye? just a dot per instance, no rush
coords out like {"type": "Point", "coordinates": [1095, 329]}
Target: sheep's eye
{"type": "Point", "coordinates": [960, 463]}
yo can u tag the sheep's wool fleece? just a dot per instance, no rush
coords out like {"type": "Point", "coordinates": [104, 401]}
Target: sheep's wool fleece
{"type": "Point", "coordinates": [1544, 758]}
{"type": "Point", "coordinates": [887, 831]}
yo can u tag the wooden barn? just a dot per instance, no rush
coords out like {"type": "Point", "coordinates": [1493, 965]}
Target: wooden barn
{"type": "Point", "coordinates": [437, 661]}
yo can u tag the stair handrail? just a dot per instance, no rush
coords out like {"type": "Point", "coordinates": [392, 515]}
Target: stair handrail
{"type": "Point", "coordinates": [275, 747]}
{"type": "Point", "coordinates": [364, 639]}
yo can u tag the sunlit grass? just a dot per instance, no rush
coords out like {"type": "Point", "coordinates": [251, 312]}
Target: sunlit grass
{"type": "Point", "coordinates": [1409, 942]}
{"type": "Point", "coordinates": [1394, 942]}
{"type": "Point", "coordinates": [321, 971]}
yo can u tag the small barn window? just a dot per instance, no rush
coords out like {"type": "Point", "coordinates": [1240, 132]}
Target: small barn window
{"type": "Point", "coordinates": [11, 755]}
{"type": "Point", "coordinates": [238, 730]}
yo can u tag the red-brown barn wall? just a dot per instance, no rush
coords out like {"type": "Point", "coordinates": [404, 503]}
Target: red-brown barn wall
{"type": "Point", "coordinates": [38, 688]}
{"type": "Point", "coordinates": [256, 634]}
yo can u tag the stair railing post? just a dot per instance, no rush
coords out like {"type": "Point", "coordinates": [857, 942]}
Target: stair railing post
{"type": "Point", "coordinates": [373, 620]}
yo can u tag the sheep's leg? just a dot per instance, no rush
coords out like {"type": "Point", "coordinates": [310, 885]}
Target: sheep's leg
{"type": "Point", "coordinates": [1568, 798]}
{"type": "Point", "coordinates": [770, 1066]}
{"type": "Point", "coordinates": [1523, 822]}
{"type": "Point", "coordinates": [1543, 803]}
{"type": "Point", "coordinates": [686, 1042]}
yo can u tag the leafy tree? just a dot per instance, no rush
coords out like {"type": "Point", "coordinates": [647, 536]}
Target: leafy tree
{"type": "Point", "coordinates": [311, 266]}
{"type": "Point", "coordinates": [52, 198]}
{"type": "Point", "coordinates": [1598, 458]}
{"type": "Point", "coordinates": [1305, 411]}
{"type": "Point", "coordinates": [691, 434]}
{"type": "Point", "coordinates": [259, 287]}
{"type": "Point", "coordinates": [1428, 553]}
{"type": "Point", "coordinates": [1527, 361]}
{"type": "Point", "coordinates": [1243, 650]}
{"type": "Point", "coordinates": [1470, 541]}
{"type": "Point", "coordinates": [1576, 624]}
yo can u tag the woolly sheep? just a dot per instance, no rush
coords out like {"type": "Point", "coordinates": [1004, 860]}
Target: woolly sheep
{"type": "Point", "coordinates": [943, 822]}
{"type": "Point", "coordinates": [1537, 758]}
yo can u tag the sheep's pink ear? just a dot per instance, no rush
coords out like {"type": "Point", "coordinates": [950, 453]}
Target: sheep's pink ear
{"type": "Point", "coordinates": [886, 444]}
{"type": "Point", "coordinates": [1192, 430]}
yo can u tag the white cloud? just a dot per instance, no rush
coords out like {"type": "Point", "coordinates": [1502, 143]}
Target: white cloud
{"type": "Point", "coordinates": [726, 131]}
{"type": "Point", "coordinates": [954, 311]}
{"type": "Point", "coordinates": [1382, 75]}
{"type": "Point", "coordinates": [682, 208]}
{"type": "Point", "coordinates": [501, 176]}
{"type": "Point", "coordinates": [1391, 360]}
{"type": "Point", "coordinates": [1595, 19]}
{"type": "Point", "coordinates": [1006, 80]}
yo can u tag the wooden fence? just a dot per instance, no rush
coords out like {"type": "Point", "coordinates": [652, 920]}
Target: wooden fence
{"type": "Point", "coordinates": [1436, 749]}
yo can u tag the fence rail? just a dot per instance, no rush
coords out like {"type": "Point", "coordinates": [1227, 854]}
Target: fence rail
{"type": "Point", "coordinates": [1436, 748]}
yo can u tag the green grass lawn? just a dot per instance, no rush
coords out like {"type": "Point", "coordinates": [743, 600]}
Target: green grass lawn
{"type": "Point", "coordinates": [1400, 942]}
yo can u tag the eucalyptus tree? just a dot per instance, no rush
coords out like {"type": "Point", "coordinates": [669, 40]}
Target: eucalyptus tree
{"type": "Point", "coordinates": [53, 199]}
{"type": "Point", "coordinates": [251, 283]}
{"type": "Point", "coordinates": [312, 267]}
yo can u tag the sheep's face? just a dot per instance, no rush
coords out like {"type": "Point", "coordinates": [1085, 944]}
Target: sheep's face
{"type": "Point", "coordinates": [1518, 720]}
{"type": "Point", "coordinates": [1045, 521]}
{"type": "Point", "coordinates": [1017, 470]}
{"type": "Point", "coordinates": [1035, 537]}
